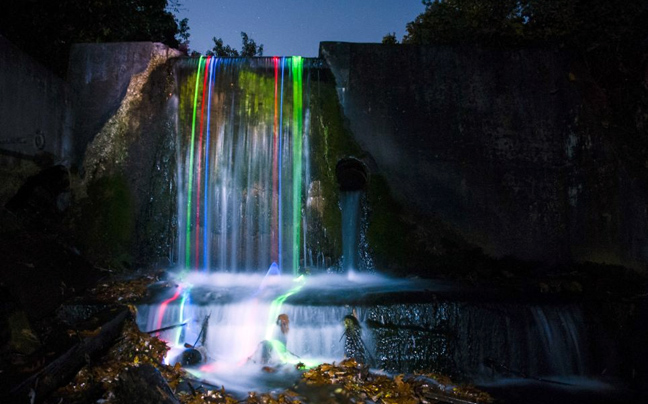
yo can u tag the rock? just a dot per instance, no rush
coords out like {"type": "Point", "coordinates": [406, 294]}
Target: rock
{"type": "Point", "coordinates": [191, 356]}
{"type": "Point", "coordinates": [39, 199]}
{"type": "Point", "coordinates": [144, 385]}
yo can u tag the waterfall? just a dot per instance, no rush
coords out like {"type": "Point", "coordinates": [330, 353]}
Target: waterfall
{"type": "Point", "coordinates": [350, 206]}
{"type": "Point", "coordinates": [242, 127]}
{"type": "Point", "coordinates": [481, 340]}
{"type": "Point", "coordinates": [244, 193]}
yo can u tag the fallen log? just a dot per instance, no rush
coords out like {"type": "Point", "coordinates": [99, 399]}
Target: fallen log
{"type": "Point", "coordinates": [40, 385]}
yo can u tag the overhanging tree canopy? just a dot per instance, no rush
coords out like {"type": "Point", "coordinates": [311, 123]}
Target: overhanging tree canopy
{"type": "Point", "coordinates": [46, 29]}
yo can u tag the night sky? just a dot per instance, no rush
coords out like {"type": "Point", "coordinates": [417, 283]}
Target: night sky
{"type": "Point", "coordinates": [295, 27]}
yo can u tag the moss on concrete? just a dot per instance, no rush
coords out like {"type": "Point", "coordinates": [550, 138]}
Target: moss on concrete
{"type": "Point", "coordinates": [105, 222]}
{"type": "Point", "coordinates": [331, 141]}
{"type": "Point", "coordinates": [387, 233]}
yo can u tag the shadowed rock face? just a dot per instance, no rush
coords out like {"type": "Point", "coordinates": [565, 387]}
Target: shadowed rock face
{"type": "Point", "coordinates": [510, 149]}
{"type": "Point", "coordinates": [40, 196]}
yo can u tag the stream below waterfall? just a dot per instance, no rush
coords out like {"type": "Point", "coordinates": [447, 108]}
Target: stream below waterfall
{"type": "Point", "coordinates": [407, 325]}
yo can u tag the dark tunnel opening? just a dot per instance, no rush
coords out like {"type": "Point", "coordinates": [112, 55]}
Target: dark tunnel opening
{"type": "Point", "coordinates": [352, 174]}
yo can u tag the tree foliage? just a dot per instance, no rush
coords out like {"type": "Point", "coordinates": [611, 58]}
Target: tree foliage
{"type": "Point", "coordinates": [609, 40]}
{"type": "Point", "coordinates": [584, 24]}
{"type": "Point", "coordinates": [611, 35]}
{"type": "Point", "coordinates": [222, 50]}
{"type": "Point", "coordinates": [46, 29]}
{"type": "Point", "coordinates": [390, 39]}
{"type": "Point", "coordinates": [249, 48]}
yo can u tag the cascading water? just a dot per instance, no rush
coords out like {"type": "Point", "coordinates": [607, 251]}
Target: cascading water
{"type": "Point", "coordinates": [350, 207]}
{"type": "Point", "coordinates": [243, 171]}
{"type": "Point", "coordinates": [242, 128]}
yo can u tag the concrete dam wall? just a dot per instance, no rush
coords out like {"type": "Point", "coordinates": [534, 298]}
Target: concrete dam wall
{"type": "Point", "coordinates": [506, 147]}
{"type": "Point", "coordinates": [508, 150]}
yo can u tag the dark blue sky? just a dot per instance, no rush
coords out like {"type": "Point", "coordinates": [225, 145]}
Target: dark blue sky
{"type": "Point", "coordinates": [295, 27]}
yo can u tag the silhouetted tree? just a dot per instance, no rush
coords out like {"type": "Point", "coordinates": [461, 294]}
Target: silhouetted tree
{"type": "Point", "coordinates": [611, 36]}
{"type": "Point", "coordinates": [221, 49]}
{"type": "Point", "coordinates": [390, 39]}
{"type": "Point", "coordinates": [580, 24]}
{"type": "Point", "coordinates": [249, 48]}
{"type": "Point", "coordinates": [46, 29]}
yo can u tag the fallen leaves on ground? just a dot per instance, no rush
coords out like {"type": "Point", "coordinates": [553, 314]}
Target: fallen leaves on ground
{"type": "Point", "coordinates": [360, 386]}
{"type": "Point", "coordinates": [135, 348]}
{"type": "Point", "coordinates": [352, 381]}
{"type": "Point", "coordinates": [123, 291]}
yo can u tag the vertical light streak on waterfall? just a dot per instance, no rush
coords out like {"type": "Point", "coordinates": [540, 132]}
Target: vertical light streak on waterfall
{"type": "Point", "coordinates": [280, 226]}
{"type": "Point", "coordinates": [199, 162]}
{"type": "Point", "coordinates": [250, 157]}
{"type": "Point", "coordinates": [225, 179]}
{"type": "Point", "coordinates": [183, 301]}
{"type": "Point", "coordinates": [274, 226]}
{"type": "Point", "coordinates": [191, 167]}
{"type": "Point", "coordinates": [307, 173]}
{"type": "Point", "coordinates": [244, 167]}
{"type": "Point", "coordinates": [297, 70]}
{"type": "Point", "coordinates": [207, 213]}
{"type": "Point", "coordinates": [240, 138]}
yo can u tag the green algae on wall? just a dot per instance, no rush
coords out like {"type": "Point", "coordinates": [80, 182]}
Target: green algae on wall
{"type": "Point", "coordinates": [105, 222]}
{"type": "Point", "coordinates": [387, 233]}
{"type": "Point", "coordinates": [330, 142]}
{"type": "Point", "coordinates": [391, 238]}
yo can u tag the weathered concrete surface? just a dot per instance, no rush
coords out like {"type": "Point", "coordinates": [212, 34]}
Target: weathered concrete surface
{"type": "Point", "coordinates": [34, 105]}
{"type": "Point", "coordinates": [100, 75]}
{"type": "Point", "coordinates": [504, 147]}
{"type": "Point", "coordinates": [125, 135]}
{"type": "Point", "coordinates": [35, 118]}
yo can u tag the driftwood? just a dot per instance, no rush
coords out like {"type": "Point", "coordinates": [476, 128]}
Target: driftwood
{"type": "Point", "coordinates": [169, 327]}
{"type": "Point", "coordinates": [37, 387]}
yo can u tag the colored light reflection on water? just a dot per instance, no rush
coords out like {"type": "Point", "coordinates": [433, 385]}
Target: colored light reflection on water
{"type": "Point", "coordinates": [243, 311]}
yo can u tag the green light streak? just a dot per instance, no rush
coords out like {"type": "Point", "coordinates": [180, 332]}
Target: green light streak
{"type": "Point", "coordinates": [185, 295]}
{"type": "Point", "coordinates": [275, 306]}
{"type": "Point", "coordinates": [297, 124]}
{"type": "Point", "coordinates": [286, 357]}
{"type": "Point", "coordinates": [191, 157]}
{"type": "Point", "coordinates": [275, 309]}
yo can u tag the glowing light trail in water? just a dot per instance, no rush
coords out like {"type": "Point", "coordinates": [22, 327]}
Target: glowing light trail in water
{"type": "Point", "coordinates": [297, 70]}
{"type": "Point", "coordinates": [275, 165]}
{"type": "Point", "coordinates": [280, 225]}
{"type": "Point", "coordinates": [275, 306]}
{"type": "Point", "coordinates": [207, 214]}
{"type": "Point", "coordinates": [244, 166]}
{"type": "Point", "coordinates": [163, 307]}
{"type": "Point", "coordinates": [190, 168]}
{"type": "Point", "coordinates": [275, 310]}
{"type": "Point", "coordinates": [199, 161]}
{"type": "Point", "coordinates": [183, 301]}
